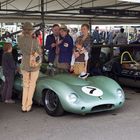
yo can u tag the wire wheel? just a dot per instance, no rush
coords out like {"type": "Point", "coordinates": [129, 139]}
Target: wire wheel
{"type": "Point", "coordinates": [52, 103]}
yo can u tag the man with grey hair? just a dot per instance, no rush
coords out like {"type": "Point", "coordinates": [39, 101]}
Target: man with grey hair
{"type": "Point", "coordinates": [120, 38]}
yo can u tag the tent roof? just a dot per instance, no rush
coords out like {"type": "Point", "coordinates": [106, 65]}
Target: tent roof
{"type": "Point", "coordinates": [67, 11]}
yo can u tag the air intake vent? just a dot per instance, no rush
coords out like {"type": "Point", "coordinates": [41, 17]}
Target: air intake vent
{"type": "Point", "coordinates": [102, 107]}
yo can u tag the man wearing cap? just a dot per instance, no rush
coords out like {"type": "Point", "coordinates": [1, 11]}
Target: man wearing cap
{"type": "Point", "coordinates": [65, 49]}
{"type": "Point", "coordinates": [27, 44]}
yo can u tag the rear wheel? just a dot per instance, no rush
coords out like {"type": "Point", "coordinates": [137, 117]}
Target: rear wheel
{"type": "Point", "coordinates": [52, 103]}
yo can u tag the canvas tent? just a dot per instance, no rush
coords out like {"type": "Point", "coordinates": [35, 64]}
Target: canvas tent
{"type": "Point", "coordinates": [68, 11]}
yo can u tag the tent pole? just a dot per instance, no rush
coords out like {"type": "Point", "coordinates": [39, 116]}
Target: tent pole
{"type": "Point", "coordinates": [43, 22]}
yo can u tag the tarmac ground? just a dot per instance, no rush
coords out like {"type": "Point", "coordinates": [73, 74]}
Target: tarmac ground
{"type": "Point", "coordinates": [121, 124]}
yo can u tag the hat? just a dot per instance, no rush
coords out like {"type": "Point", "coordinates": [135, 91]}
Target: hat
{"type": "Point", "coordinates": [27, 26]}
{"type": "Point", "coordinates": [64, 27]}
{"type": "Point", "coordinates": [83, 75]}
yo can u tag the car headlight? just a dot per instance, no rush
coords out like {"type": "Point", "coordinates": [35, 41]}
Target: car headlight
{"type": "Point", "coordinates": [72, 98]}
{"type": "Point", "coordinates": [120, 93]}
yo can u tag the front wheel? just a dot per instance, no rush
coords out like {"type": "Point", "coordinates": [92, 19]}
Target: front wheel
{"type": "Point", "coordinates": [52, 103]}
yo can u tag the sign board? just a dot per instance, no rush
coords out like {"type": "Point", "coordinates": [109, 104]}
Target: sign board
{"type": "Point", "coordinates": [109, 12]}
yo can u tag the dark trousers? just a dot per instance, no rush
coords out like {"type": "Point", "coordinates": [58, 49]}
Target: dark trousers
{"type": "Point", "coordinates": [7, 87]}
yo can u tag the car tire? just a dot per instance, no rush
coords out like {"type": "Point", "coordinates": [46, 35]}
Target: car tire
{"type": "Point", "coordinates": [52, 103]}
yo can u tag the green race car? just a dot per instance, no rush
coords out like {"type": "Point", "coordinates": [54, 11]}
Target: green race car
{"type": "Point", "coordinates": [66, 92]}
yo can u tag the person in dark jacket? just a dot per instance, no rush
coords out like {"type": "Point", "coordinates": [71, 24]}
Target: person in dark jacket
{"type": "Point", "coordinates": [51, 43]}
{"type": "Point", "coordinates": [9, 67]}
{"type": "Point", "coordinates": [65, 49]}
{"type": "Point", "coordinates": [96, 36]}
{"type": "Point", "coordinates": [136, 49]}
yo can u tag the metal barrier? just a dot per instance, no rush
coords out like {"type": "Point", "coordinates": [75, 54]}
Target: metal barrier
{"type": "Point", "coordinates": [128, 47]}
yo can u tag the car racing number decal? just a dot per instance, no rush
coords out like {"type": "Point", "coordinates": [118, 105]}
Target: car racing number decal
{"type": "Point", "coordinates": [93, 91]}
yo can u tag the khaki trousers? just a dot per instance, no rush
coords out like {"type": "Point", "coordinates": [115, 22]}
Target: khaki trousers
{"type": "Point", "coordinates": [64, 66]}
{"type": "Point", "coordinates": [79, 67]}
{"type": "Point", "coordinates": [29, 84]}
